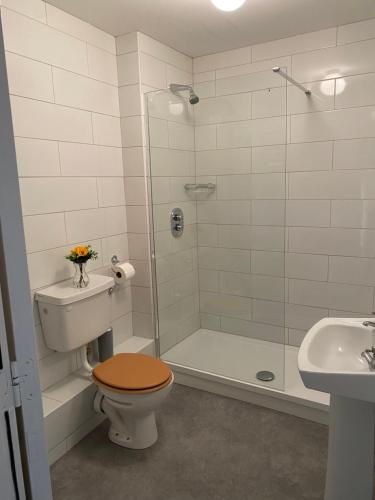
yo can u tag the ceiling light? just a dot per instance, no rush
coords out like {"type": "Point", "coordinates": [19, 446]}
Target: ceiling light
{"type": "Point", "coordinates": [228, 5]}
{"type": "Point", "coordinates": [176, 108]}
{"type": "Point", "coordinates": [327, 86]}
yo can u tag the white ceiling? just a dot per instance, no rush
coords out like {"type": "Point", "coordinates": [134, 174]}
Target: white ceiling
{"type": "Point", "coordinates": [196, 27]}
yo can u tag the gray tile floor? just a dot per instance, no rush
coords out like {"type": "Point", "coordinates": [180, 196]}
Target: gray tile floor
{"type": "Point", "coordinates": [210, 448]}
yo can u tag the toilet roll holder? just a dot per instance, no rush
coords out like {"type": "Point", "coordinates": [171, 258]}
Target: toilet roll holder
{"type": "Point", "coordinates": [115, 260]}
{"type": "Point", "coordinates": [118, 274]}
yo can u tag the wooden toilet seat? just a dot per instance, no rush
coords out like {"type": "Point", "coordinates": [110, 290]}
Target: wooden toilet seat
{"type": "Point", "coordinates": [132, 373]}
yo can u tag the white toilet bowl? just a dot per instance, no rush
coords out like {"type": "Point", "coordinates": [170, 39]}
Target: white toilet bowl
{"type": "Point", "coordinates": [132, 416]}
{"type": "Point", "coordinates": [130, 389]}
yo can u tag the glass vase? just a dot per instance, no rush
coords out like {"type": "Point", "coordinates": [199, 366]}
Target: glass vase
{"type": "Point", "coordinates": [81, 278]}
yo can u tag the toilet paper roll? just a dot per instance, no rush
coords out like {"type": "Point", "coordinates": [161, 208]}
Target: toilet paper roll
{"type": "Point", "coordinates": [123, 272]}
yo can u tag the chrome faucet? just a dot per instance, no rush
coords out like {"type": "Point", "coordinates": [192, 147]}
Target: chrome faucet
{"type": "Point", "coordinates": [369, 355]}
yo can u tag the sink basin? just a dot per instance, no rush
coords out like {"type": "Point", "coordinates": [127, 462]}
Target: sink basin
{"type": "Point", "coordinates": [330, 360]}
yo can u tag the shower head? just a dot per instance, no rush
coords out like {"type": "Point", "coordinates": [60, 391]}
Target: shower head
{"type": "Point", "coordinates": [175, 88]}
{"type": "Point", "coordinates": [193, 98]}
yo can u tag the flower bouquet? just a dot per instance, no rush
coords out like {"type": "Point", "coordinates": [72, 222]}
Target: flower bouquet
{"type": "Point", "coordinates": [79, 256]}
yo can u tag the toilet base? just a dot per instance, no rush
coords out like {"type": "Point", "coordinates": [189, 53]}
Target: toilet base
{"type": "Point", "coordinates": [130, 429]}
{"type": "Point", "coordinates": [138, 432]}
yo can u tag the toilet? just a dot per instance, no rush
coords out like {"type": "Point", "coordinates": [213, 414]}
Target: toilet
{"type": "Point", "coordinates": [130, 386]}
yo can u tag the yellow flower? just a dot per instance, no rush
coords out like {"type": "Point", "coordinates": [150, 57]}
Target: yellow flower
{"type": "Point", "coordinates": [81, 251]}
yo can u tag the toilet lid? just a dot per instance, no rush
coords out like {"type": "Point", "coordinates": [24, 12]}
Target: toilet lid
{"type": "Point", "coordinates": [129, 371]}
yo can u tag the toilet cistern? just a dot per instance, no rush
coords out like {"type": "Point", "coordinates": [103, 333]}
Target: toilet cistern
{"type": "Point", "coordinates": [74, 317]}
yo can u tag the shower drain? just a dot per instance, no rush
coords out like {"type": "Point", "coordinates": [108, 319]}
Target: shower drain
{"type": "Point", "coordinates": [265, 376]}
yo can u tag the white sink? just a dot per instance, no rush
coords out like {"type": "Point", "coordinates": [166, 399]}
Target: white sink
{"type": "Point", "coordinates": [330, 360]}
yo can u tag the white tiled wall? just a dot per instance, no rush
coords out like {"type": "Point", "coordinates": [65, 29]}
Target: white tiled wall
{"type": "Point", "coordinates": [145, 65]}
{"type": "Point", "coordinates": [241, 133]}
{"type": "Point", "coordinates": [63, 83]}
{"type": "Point", "coordinates": [329, 159]}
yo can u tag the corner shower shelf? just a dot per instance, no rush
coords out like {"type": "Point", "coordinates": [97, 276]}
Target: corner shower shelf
{"type": "Point", "coordinates": [200, 188]}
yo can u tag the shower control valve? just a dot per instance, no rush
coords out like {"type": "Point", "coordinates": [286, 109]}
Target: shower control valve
{"type": "Point", "coordinates": [177, 222]}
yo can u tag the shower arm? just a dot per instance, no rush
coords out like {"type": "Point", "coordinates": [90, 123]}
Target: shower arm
{"type": "Point", "coordinates": [282, 73]}
{"type": "Point", "coordinates": [176, 87]}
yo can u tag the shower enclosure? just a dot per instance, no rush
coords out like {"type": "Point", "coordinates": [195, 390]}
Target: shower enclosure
{"type": "Point", "coordinates": [218, 183]}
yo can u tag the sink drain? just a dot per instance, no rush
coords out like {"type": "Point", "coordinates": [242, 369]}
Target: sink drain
{"type": "Point", "coordinates": [265, 376]}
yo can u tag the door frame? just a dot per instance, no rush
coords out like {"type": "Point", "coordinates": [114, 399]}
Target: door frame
{"type": "Point", "coordinates": [18, 316]}
{"type": "Point", "coordinates": [11, 474]}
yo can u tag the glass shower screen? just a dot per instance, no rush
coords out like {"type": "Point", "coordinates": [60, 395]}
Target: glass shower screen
{"type": "Point", "coordinates": [218, 181]}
